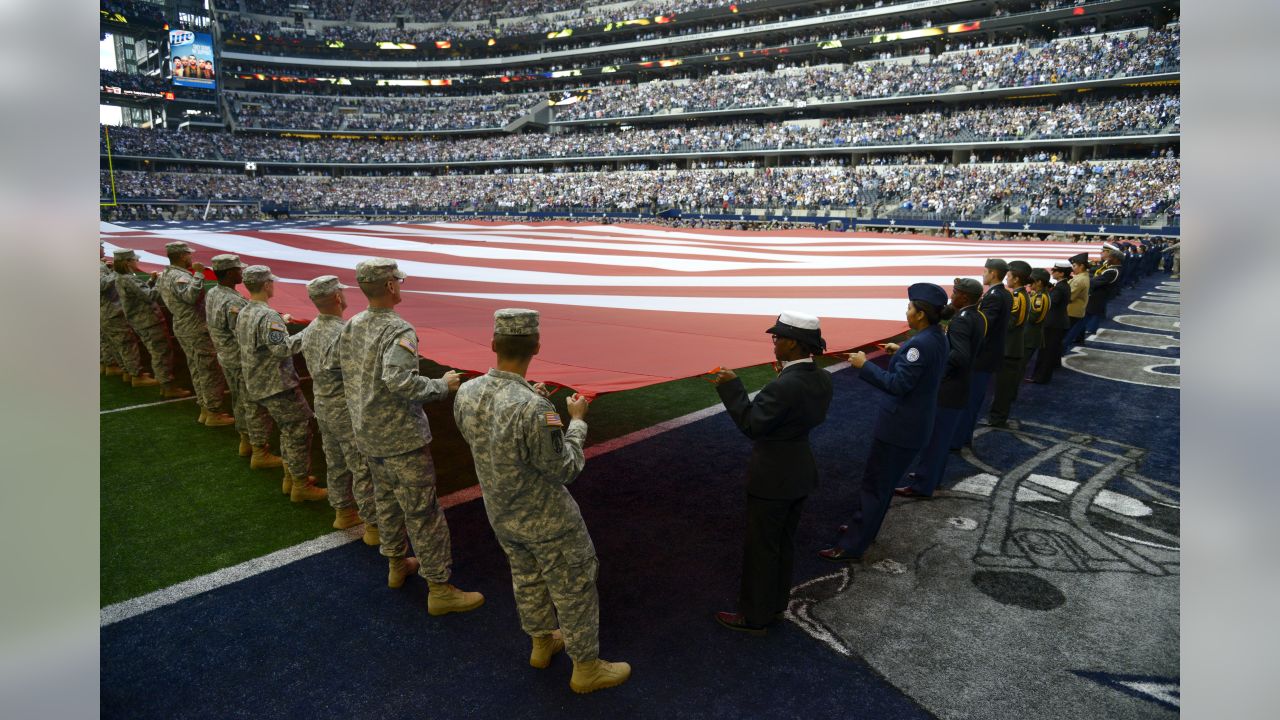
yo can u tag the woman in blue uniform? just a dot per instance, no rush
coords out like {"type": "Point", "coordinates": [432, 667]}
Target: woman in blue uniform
{"type": "Point", "coordinates": [905, 420]}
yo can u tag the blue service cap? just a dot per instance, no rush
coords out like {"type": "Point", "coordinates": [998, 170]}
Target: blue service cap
{"type": "Point", "coordinates": [927, 292]}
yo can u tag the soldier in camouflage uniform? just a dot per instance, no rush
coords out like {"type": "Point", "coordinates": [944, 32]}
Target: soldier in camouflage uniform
{"type": "Point", "coordinates": [222, 306]}
{"type": "Point", "coordinates": [524, 458]}
{"type": "Point", "coordinates": [377, 354]}
{"type": "Point", "coordinates": [266, 359]}
{"type": "Point", "coordinates": [119, 340]}
{"type": "Point", "coordinates": [138, 302]}
{"type": "Point", "coordinates": [347, 479]}
{"type": "Point", "coordinates": [183, 294]}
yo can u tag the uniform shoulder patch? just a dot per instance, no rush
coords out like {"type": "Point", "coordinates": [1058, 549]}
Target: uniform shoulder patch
{"type": "Point", "coordinates": [233, 309]}
{"type": "Point", "coordinates": [408, 344]}
{"type": "Point", "coordinates": [279, 326]}
{"type": "Point", "coordinates": [552, 419]}
{"type": "Point", "coordinates": [913, 354]}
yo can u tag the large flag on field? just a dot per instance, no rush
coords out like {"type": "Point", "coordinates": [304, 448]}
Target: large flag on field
{"type": "Point", "coordinates": [623, 306]}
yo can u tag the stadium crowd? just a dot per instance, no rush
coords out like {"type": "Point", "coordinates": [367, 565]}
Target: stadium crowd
{"type": "Point", "coordinates": [1091, 190]}
{"type": "Point", "coordinates": [1145, 114]}
{"type": "Point", "coordinates": [1057, 62]}
{"type": "Point", "coordinates": [353, 113]}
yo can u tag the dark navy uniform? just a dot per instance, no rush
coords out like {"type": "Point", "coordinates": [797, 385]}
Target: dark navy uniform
{"type": "Point", "coordinates": [903, 424]}
{"type": "Point", "coordinates": [1103, 286]}
{"type": "Point", "coordinates": [782, 471]}
{"type": "Point", "coordinates": [1055, 330]}
{"type": "Point", "coordinates": [996, 304]}
{"type": "Point", "coordinates": [965, 336]}
{"type": "Point", "coordinates": [1012, 364]}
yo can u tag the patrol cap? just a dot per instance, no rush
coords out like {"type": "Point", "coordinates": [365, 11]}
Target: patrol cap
{"type": "Point", "coordinates": [123, 254]}
{"type": "Point", "coordinates": [1079, 259]}
{"type": "Point", "coordinates": [968, 286]}
{"type": "Point", "coordinates": [226, 262]}
{"type": "Point", "coordinates": [804, 329]}
{"type": "Point", "coordinates": [257, 275]}
{"type": "Point", "coordinates": [176, 247]}
{"type": "Point", "coordinates": [997, 264]}
{"type": "Point", "coordinates": [1063, 265]}
{"type": "Point", "coordinates": [1040, 274]}
{"type": "Point", "coordinates": [1021, 267]}
{"type": "Point", "coordinates": [378, 270]}
{"type": "Point", "coordinates": [515, 321]}
{"type": "Point", "coordinates": [324, 286]}
{"type": "Point", "coordinates": [928, 292]}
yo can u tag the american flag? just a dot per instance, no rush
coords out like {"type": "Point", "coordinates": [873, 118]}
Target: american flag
{"type": "Point", "coordinates": [622, 306]}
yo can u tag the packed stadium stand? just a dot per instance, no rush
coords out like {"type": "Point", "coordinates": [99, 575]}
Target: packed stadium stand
{"type": "Point", "coordinates": [1052, 117]}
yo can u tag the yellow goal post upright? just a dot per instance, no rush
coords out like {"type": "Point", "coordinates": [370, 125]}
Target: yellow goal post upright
{"type": "Point", "coordinates": [111, 172]}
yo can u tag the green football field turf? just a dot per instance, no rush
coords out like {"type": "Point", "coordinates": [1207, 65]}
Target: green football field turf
{"type": "Point", "coordinates": [178, 502]}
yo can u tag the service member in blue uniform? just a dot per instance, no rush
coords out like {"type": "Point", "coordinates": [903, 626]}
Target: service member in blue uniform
{"type": "Point", "coordinates": [996, 304]}
{"type": "Point", "coordinates": [1104, 285]}
{"type": "Point", "coordinates": [1013, 366]}
{"type": "Point", "coordinates": [1056, 325]}
{"type": "Point", "coordinates": [904, 420]}
{"type": "Point", "coordinates": [782, 470]}
{"type": "Point", "coordinates": [965, 335]}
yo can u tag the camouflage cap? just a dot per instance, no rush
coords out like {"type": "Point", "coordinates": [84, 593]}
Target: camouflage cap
{"type": "Point", "coordinates": [124, 254]}
{"type": "Point", "coordinates": [515, 321]}
{"type": "Point", "coordinates": [226, 262]}
{"type": "Point", "coordinates": [177, 246]}
{"type": "Point", "coordinates": [324, 286]}
{"type": "Point", "coordinates": [257, 274]}
{"type": "Point", "coordinates": [377, 270]}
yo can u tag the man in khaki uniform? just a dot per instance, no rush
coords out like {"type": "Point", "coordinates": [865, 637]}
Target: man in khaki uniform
{"type": "Point", "coordinates": [266, 358]}
{"type": "Point", "coordinates": [524, 458]}
{"type": "Point", "coordinates": [120, 343]}
{"type": "Point", "coordinates": [377, 355]}
{"type": "Point", "coordinates": [138, 302]}
{"type": "Point", "coordinates": [181, 286]}
{"type": "Point", "coordinates": [348, 480]}
{"type": "Point", "coordinates": [222, 307]}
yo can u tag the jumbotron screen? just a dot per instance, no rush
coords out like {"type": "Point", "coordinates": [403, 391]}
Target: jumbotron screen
{"type": "Point", "coordinates": [191, 59]}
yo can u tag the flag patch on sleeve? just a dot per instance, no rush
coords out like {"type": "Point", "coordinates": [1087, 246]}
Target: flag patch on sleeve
{"type": "Point", "coordinates": [553, 420]}
{"type": "Point", "coordinates": [408, 344]}
{"type": "Point", "coordinates": [279, 327]}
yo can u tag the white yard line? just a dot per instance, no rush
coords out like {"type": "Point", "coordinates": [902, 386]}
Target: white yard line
{"type": "Point", "coordinates": [226, 576]}
{"type": "Point", "coordinates": [143, 405]}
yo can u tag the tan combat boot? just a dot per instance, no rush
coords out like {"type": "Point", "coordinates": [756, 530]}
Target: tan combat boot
{"type": "Point", "coordinates": [544, 647]}
{"type": "Point", "coordinates": [173, 391]}
{"type": "Point", "coordinates": [204, 415]}
{"type": "Point", "coordinates": [264, 460]}
{"type": "Point", "coordinates": [111, 370]}
{"type": "Point", "coordinates": [371, 536]}
{"type": "Point", "coordinates": [246, 449]}
{"type": "Point", "coordinates": [400, 568]}
{"type": "Point", "coordinates": [126, 377]}
{"type": "Point", "coordinates": [217, 419]}
{"type": "Point", "coordinates": [345, 518]}
{"type": "Point", "coordinates": [445, 598]}
{"type": "Point", "coordinates": [597, 675]}
{"type": "Point", "coordinates": [304, 489]}
{"type": "Point", "coordinates": [143, 380]}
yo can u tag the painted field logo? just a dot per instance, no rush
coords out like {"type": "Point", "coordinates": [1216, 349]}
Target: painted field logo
{"type": "Point", "coordinates": [1054, 568]}
{"type": "Point", "coordinates": [1156, 328]}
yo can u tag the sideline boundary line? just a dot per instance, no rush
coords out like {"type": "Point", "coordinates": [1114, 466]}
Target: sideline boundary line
{"type": "Point", "coordinates": [178, 592]}
{"type": "Point", "coordinates": [145, 405]}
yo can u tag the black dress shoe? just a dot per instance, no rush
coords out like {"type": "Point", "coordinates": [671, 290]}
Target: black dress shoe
{"type": "Point", "coordinates": [995, 423]}
{"type": "Point", "coordinates": [836, 555]}
{"type": "Point", "coordinates": [842, 529]}
{"type": "Point", "coordinates": [736, 621]}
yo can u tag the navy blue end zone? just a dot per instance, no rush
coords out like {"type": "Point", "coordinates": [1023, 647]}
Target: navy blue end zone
{"type": "Point", "coordinates": [324, 637]}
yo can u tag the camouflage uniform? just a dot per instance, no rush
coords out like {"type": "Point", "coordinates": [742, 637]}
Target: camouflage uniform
{"type": "Point", "coordinates": [347, 469]}
{"type": "Point", "coordinates": [183, 294]}
{"type": "Point", "coordinates": [222, 307]}
{"type": "Point", "coordinates": [120, 343]}
{"type": "Point", "coordinates": [266, 359]}
{"type": "Point", "coordinates": [377, 356]}
{"type": "Point", "coordinates": [138, 301]}
{"type": "Point", "coordinates": [524, 459]}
